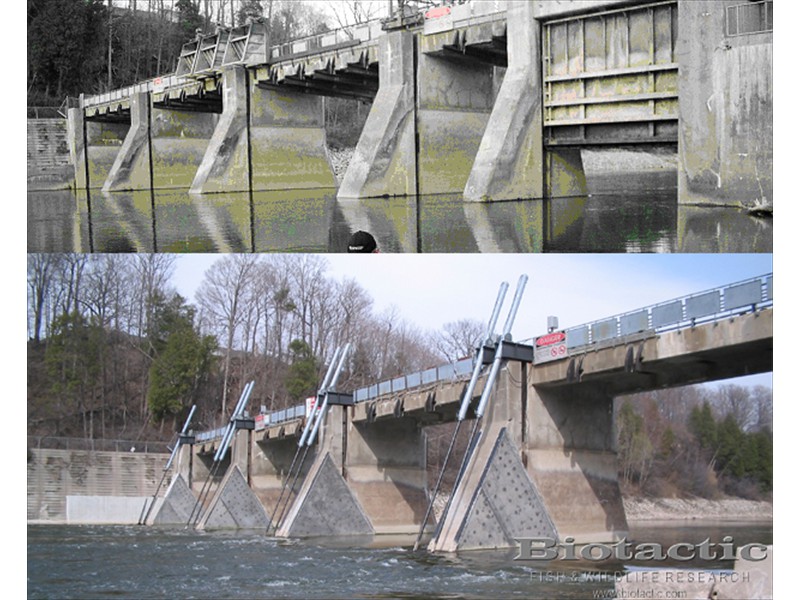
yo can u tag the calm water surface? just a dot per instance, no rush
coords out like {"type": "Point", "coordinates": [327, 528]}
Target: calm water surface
{"type": "Point", "coordinates": [644, 218]}
{"type": "Point", "coordinates": [147, 562]}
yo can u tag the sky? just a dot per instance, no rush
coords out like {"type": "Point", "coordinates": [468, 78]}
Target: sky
{"type": "Point", "coordinates": [431, 290]}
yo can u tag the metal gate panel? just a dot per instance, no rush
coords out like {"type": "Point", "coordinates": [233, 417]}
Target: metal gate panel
{"type": "Point", "coordinates": [611, 77]}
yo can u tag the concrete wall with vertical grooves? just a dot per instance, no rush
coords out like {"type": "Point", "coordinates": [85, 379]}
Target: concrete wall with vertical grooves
{"type": "Point", "coordinates": [55, 474]}
{"type": "Point", "coordinates": [49, 164]}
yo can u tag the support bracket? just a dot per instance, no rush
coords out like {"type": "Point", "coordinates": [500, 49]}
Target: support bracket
{"type": "Point", "coordinates": [340, 399]}
{"type": "Point", "coordinates": [509, 351]}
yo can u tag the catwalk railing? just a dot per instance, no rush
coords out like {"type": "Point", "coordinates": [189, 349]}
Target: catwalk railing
{"type": "Point", "coordinates": [695, 309]}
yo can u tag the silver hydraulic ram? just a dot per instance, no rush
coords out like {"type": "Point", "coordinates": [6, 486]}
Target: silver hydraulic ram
{"type": "Point", "coordinates": [306, 430]}
{"type": "Point", "coordinates": [326, 383]}
{"type": "Point", "coordinates": [143, 519]}
{"type": "Point", "coordinates": [220, 453]}
{"type": "Point", "coordinates": [314, 429]}
{"type": "Point", "coordinates": [465, 402]}
{"type": "Point", "coordinates": [237, 412]}
{"type": "Point", "coordinates": [324, 407]}
{"type": "Point", "coordinates": [487, 390]}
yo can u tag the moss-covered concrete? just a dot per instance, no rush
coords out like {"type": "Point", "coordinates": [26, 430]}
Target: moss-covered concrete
{"type": "Point", "coordinates": [179, 140]}
{"type": "Point", "coordinates": [287, 141]}
{"type": "Point", "coordinates": [131, 168]}
{"type": "Point", "coordinates": [94, 146]}
{"type": "Point", "coordinates": [508, 164]}
{"type": "Point", "coordinates": [225, 165]}
{"type": "Point", "coordinates": [725, 103]}
{"type": "Point", "coordinates": [454, 99]}
{"type": "Point", "coordinates": [384, 161]}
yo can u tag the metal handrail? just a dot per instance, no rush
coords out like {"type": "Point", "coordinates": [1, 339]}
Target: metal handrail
{"type": "Point", "coordinates": [96, 445]}
{"type": "Point", "coordinates": [708, 306]}
{"type": "Point", "coordinates": [734, 298]}
{"type": "Point", "coordinates": [44, 112]}
{"type": "Point", "coordinates": [360, 32]}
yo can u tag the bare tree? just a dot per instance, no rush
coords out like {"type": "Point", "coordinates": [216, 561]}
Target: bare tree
{"type": "Point", "coordinates": [152, 273]}
{"type": "Point", "coordinates": [354, 12]}
{"type": "Point", "coordinates": [762, 399]}
{"type": "Point", "coordinates": [220, 297]}
{"type": "Point", "coordinates": [70, 280]}
{"type": "Point", "coordinates": [41, 269]}
{"type": "Point", "coordinates": [735, 400]}
{"type": "Point", "coordinates": [459, 339]}
{"type": "Point", "coordinates": [307, 279]}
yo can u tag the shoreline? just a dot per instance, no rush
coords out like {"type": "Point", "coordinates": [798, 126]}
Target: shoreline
{"type": "Point", "coordinates": [671, 510]}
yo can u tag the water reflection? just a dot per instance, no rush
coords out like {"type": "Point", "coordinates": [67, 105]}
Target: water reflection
{"type": "Point", "coordinates": [646, 218]}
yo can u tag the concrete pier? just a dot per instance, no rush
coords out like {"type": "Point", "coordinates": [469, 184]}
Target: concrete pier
{"type": "Point", "coordinates": [543, 466]}
{"type": "Point", "coordinates": [508, 164]}
{"type": "Point", "coordinates": [226, 164]}
{"type": "Point", "coordinates": [384, 162]}
{"type": "Point", "coordinates": [162, 148]}
{"type": "Point", "coordinates": [270, 471]}
{"type": "Point", "coordinates": [366, 478]}
{"type": "Point", "coordinates": [325, 504]}
{"type": "Point", "coordinates": [132, 166]}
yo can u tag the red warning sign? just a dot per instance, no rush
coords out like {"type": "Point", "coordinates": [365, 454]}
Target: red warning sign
{"type": "Point", "coordinates": [552, 346]}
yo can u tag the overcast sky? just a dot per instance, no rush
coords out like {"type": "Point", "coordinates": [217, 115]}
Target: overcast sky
{"type": "Point", "coordinates": [433, 289]}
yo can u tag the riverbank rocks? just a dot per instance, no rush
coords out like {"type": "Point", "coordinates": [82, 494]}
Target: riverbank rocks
{"type": "Point", "coordinates": [689, 509]}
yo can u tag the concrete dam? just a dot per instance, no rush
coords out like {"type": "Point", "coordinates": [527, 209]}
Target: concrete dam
{"type": "Point", "coordinates": [493, 100]}
{"type": "Point", "coordinates": [541, 460]}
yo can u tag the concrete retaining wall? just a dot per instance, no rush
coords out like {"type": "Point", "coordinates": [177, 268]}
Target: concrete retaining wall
{"type": "Point", "coordinates": [102, 487]}
{"type": "Point", "coordinates": [109, 510]}
{"type": "Point", "coordinates": [49, 163]}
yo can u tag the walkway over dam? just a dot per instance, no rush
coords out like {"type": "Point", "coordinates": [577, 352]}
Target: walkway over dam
{"type": "Point", "coordinates": [492, 99]}
{"type": "Point", "coordinates": [543, 458]}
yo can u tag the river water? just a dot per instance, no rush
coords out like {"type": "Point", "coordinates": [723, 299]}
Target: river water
{"type": "Point", "coordinates": [645, 217]}
{"type": "Point", "coordinates": [147, 562]}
